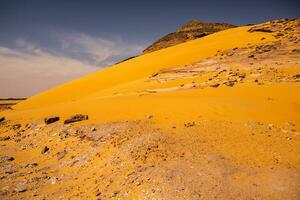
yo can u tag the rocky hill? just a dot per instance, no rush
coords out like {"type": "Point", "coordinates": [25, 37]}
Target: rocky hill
{"type": "Point", "coordinates": [190, 31]}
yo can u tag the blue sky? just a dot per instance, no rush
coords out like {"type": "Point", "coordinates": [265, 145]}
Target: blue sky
{"type": "Point", "coordinates": [46, 43]}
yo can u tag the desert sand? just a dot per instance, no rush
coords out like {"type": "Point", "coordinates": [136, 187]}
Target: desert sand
{"type": "Point", "coordinates": [213, 118]}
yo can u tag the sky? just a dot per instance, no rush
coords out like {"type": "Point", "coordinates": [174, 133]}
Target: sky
{"type": "Point", "coordinates": [44, 43]}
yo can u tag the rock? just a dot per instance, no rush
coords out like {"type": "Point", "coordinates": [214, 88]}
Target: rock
{"type": "Point", "coordinates": [7, 158]}
{"type": "Point", "coordinates": [98, 193]}
{"type": "Point", "coordinates": [154, 75]}
{"type": "Point", "coordinates": [31, 124]}
{"type": "Point", "coordinates": [229, 83]}
{"type": "Point", "coordinates": [149, 116]}
{"type": "Point", "coordinates": [241, 75]}
{"type": "Point", "coordinates": [45, 150]}
{"type": "Point", "coordinates": [93, 129]}
{"type": "Point", "coordinates": [215, 85]}
{"type": "Point", "coordinates": [2, 118]}
{"type": "Point", "coordinates": [189, 124]}
{"type": "Point", "coordinates": [297, 76]}
{"type": "Point", "coordinates": [115, 193]}
{"type": "Point", "coordinates": [53, 180]}
{"type": "Point", "coordinates": [16, 126]}
{"type": "Point", "coordinates": [4, 138]}
{"type": "Point", "coordinates": [76, 118]}
{"type": "Point", "coordinates": [260, 29]}
{"type": "Point", "coordinates": [52, 119]}
{"type": "Point", "coordinates": [270, 126]}
{"type": "Point", "coordinates": [251, 56]}
{"type": "Point", "coordinates": [21, 188]}
{"type": "Point", "coordinates": [31, 165]}
{"type": "Point", "coordinates": [296, 50]}
{"type": "Point", "coordinates": [264, 48]}
{"type": "Point", "coordinates": [61, 154]}
{"type": "Point", "coordinates": [291, 124]}
{"type": "Point", "coordinates": [64, 134]}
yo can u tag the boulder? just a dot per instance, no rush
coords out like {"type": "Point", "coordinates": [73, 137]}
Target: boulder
{"type": "Point", "coordinates": [2, 118]}
{"type": "Point", "coordinates": [76, 118]}
{"type": "Point", "coordinates": [52, 119]}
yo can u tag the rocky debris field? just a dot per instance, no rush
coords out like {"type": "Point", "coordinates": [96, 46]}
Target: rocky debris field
{"type": "Point", "coordinates": [134, 159]}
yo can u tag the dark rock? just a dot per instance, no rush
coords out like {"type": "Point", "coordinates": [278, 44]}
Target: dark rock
{"type": "Point", "coordinates": [45, 150]}
{"type": "Point", "coordinates": [4, 138]}
{"type": "Point", "coordinates": [76, 118]}
{"type": "Point", "coordinates": [189, 124]}
{"type": "Point", "coordinates": [296, 50]}
{"type": "Point", "coordinates": [149, 116]}
{"type": "Point", "coordinates": [154, 75]}
{"type": "Point", "coordinates": [230, 83]}
{"type": "Point", "coordinates": [52, 119]}
{"type": "Point", "coordinates": [241, 75]}
{"type": "Point", "coordinates": [7, 158]}
{"type": "Point", "coordinates": [2, 118]}
{"type": "Point", "coordinates": [296, 76]}
{"type": "Point", "coordinates": [115, 193]}
{"type": "Point", "coordinates": [16, 126]}
{"type": "Point", "coordinates": [251, 56]}
{"type": "Point", "coordinates": [215, 85]}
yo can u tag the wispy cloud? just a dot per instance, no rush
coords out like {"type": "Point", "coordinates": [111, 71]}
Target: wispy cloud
{"type": "Point", "coordinates": [98, 51]}
{"type": "Point", "coordinates": [30, 68]}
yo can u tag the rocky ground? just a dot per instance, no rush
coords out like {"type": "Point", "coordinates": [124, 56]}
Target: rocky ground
{"type": "Point", "coordinates": [262, 64]}
{"type": "Point", "coordinates": [127, 160]}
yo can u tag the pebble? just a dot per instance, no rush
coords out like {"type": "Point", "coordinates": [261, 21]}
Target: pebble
{"type": "Point", "coordinates": [45, 150]}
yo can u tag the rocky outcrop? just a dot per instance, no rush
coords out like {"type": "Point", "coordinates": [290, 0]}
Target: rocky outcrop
{"type": "Point", "coordinates": [192, 30]}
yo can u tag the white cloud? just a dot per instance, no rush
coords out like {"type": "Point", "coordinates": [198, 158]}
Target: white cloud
{"type": "Point", "coordinates": [98, 51]}
{"type": "Point", "coordinates": [23, 74]}
{"type": "Point", "coordinates": [29, 68]}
